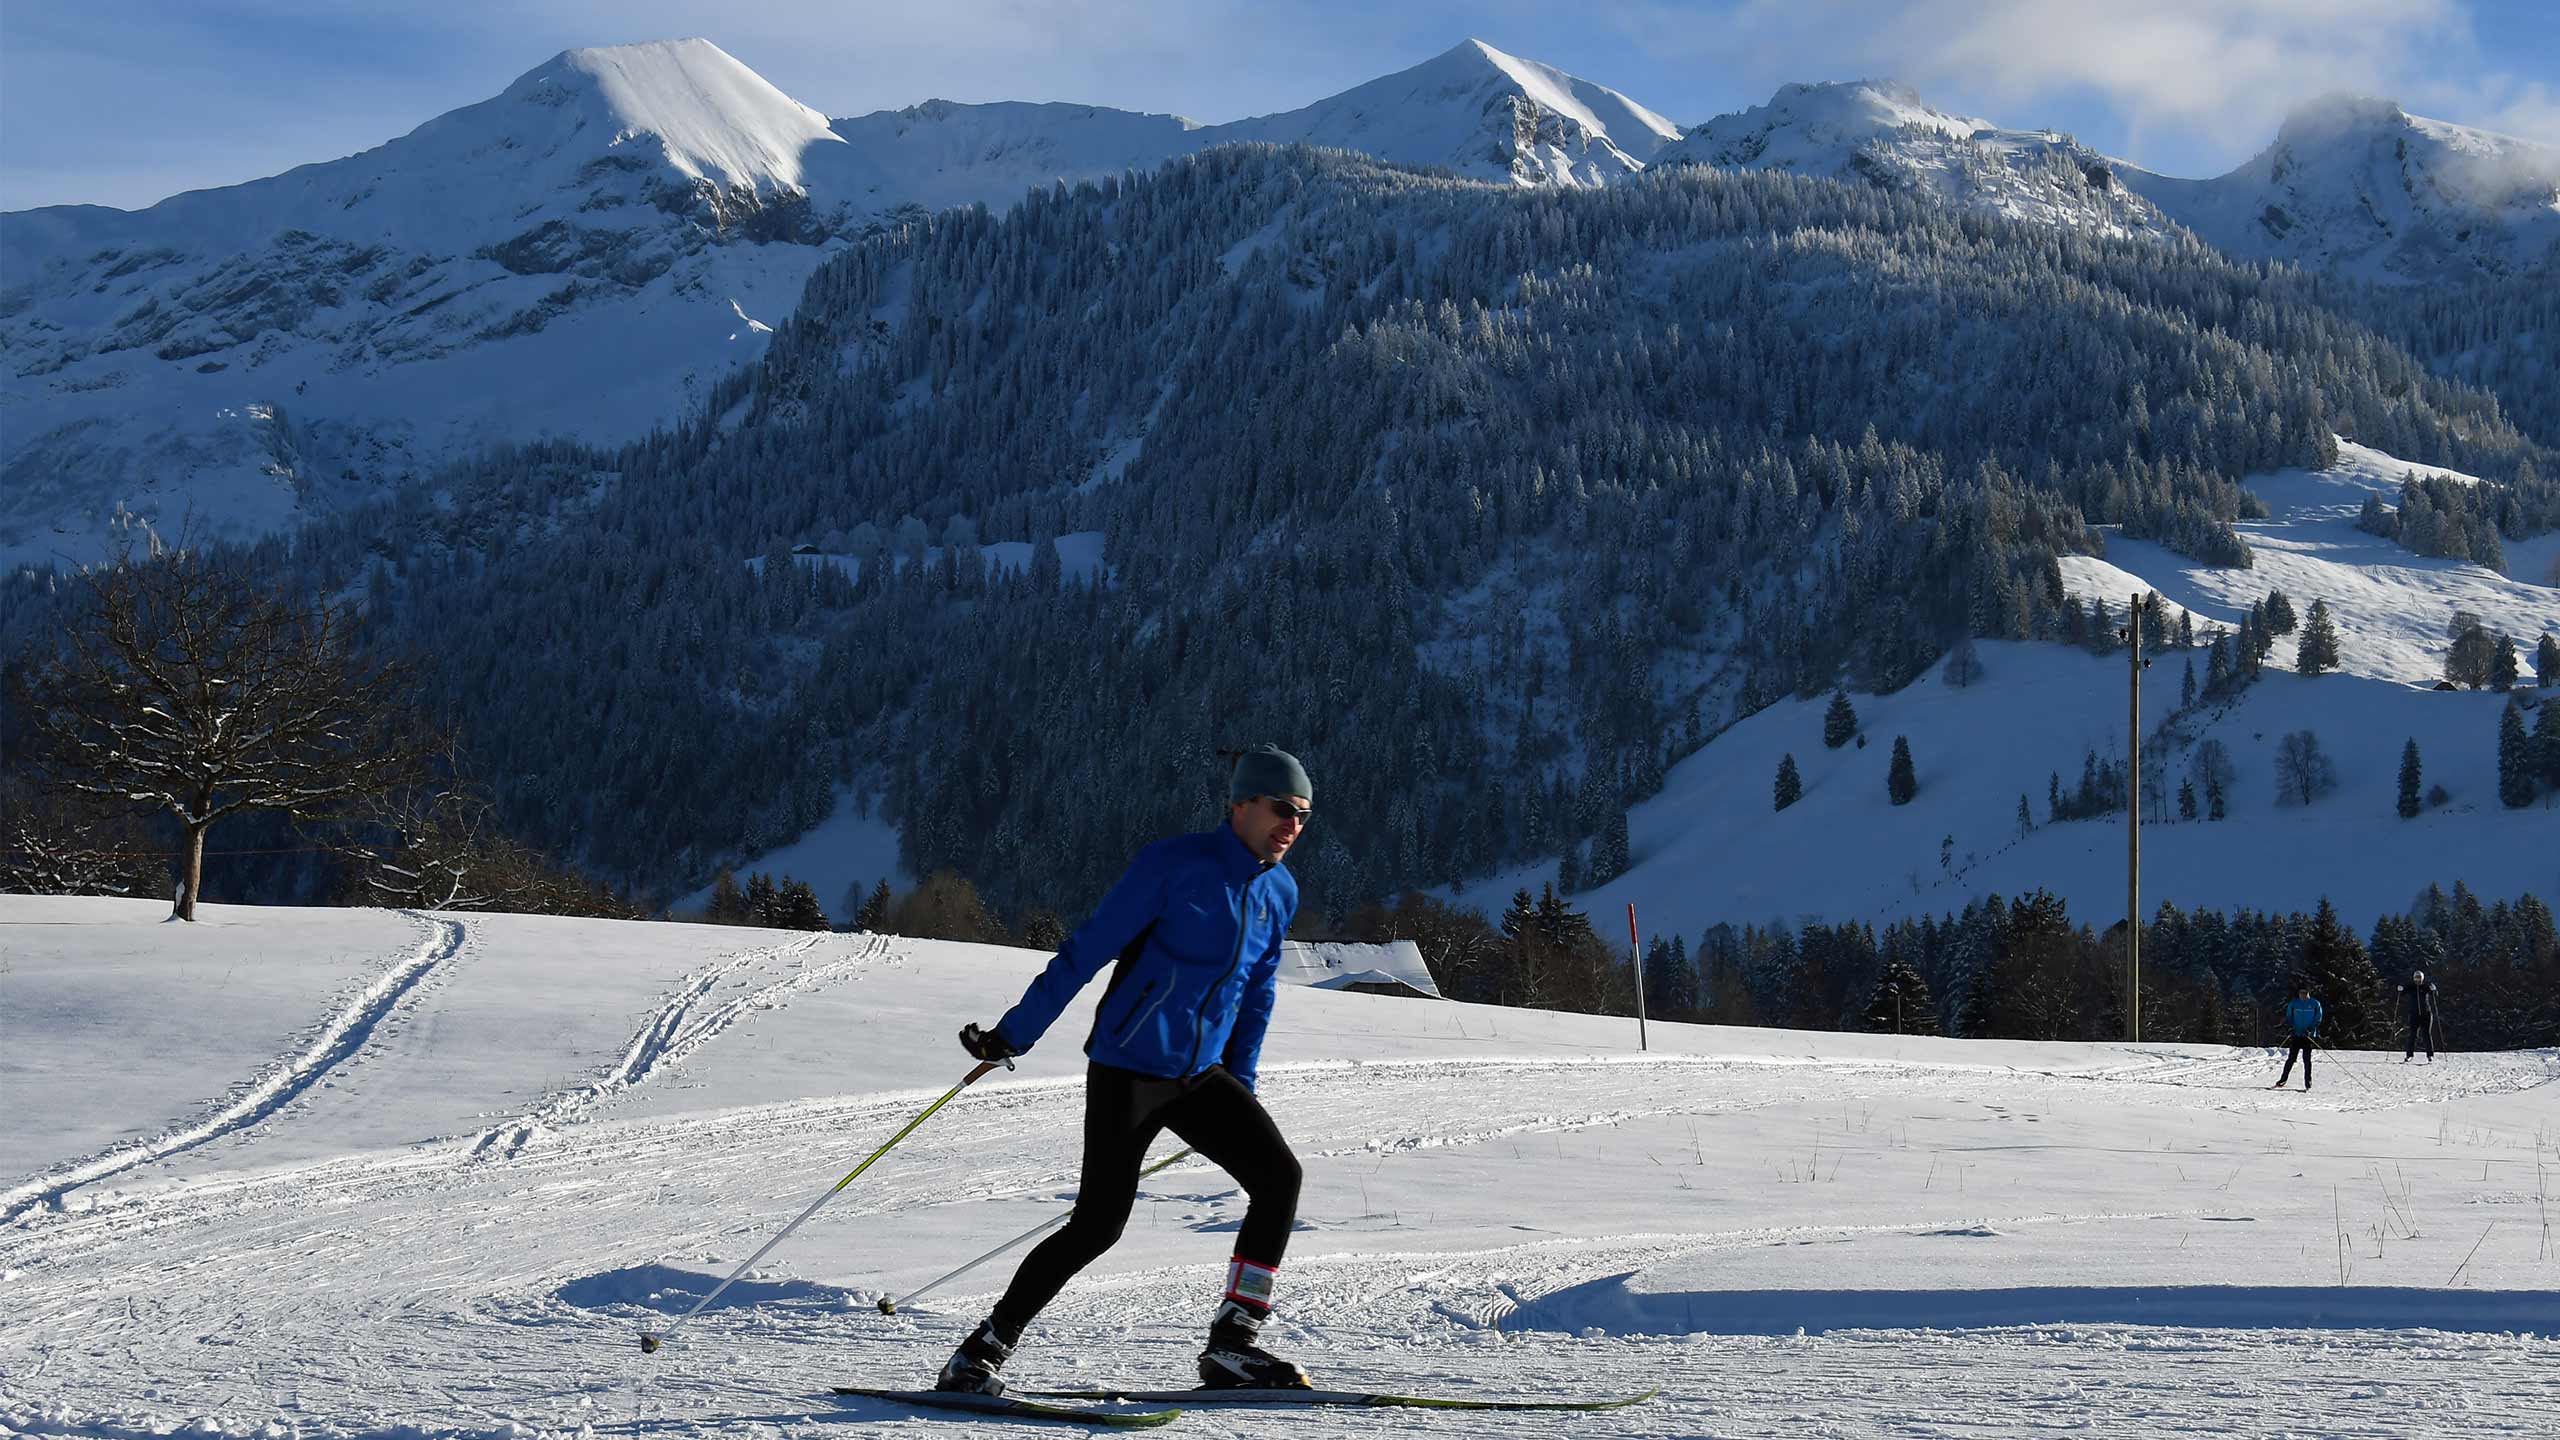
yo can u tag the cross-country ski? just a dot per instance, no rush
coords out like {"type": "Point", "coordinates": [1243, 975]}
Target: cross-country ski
{"type": "Point", "coordinates": [1008, 1407]}
{"type": "Point", "coordinates": [1356, 1399]}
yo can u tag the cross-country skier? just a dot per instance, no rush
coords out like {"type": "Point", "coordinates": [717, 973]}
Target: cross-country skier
{"type": "Point", "coordinates": [1195, 927]}
{"type": "Point", "coordinates": [2418, 1008]}
{"type": "Point", "coordinates": [2303, 1014]}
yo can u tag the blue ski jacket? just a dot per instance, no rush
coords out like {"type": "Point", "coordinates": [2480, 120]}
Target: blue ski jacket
{"type": "Point", "coordinates": [2303, 1015]}
{"type": "Point", "coordinates": [1195, 928]}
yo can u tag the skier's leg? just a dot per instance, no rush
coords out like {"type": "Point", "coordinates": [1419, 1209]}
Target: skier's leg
{"type": "Point", "coordinates": [2304, 1043]}
{"type": "Point", "coordinates": [1222, 1120]}
{"type": "Point", "coordinates": [2291, 1049]}
{"type": "Point", "coordinates": [1123, 1112]}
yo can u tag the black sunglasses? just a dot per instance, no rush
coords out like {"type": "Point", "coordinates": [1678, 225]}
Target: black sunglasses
{"type": "Point", "coordinates": [1282, 809]}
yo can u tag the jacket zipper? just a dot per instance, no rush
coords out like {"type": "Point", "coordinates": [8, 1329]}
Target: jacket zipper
{"type": "Point", "coordinates": [1137, 1014]}
{"type": "Point", "coordinates": [1244, 915]}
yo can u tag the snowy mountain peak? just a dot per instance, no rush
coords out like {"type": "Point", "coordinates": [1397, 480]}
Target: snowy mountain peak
{"type": "Point", "coordinates": [705, 113]}
{"type": "Point", "coordinates": [1483, 114]}
{"type": "Point", "coordinates": [1882, 133]}
{"type": "Point", "coordinates": [1817, 126]}
{"type": "Point", "coordinates": [2359, 185]}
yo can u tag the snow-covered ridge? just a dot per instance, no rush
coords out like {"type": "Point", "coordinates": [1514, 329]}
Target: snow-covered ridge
{"type": "Point", "coordinates": [2361, 186]}
{"type": "Point", "coordinates": [1883, 133]}
{"type": "Point", "coordinates": [1483, 114]}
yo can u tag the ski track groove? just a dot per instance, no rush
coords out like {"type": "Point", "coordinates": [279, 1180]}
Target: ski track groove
{"type": "Point", "coordinates": [340, 1039]}
{"type": "Point", "coordinates": [673, 1032]}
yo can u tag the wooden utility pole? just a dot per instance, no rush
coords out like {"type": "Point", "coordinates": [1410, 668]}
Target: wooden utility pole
{"type": "Point", "coordinates": [2133, 827]}
{"type": "Point", "coordinates": [1635, 947]}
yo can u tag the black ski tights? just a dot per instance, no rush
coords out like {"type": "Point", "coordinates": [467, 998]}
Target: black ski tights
{"type": "Point", "coordinates": [1123, 1112]}
{"type": "Point", "coordinates": [2301, 1046]}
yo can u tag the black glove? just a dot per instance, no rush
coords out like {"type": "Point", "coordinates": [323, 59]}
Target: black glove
{"type": "Point", "coordinates": [988, 1045]}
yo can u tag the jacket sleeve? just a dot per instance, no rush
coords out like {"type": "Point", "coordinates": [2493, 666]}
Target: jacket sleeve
{"type": "Point", "coordinates": [1131, 907]}
{"type": "Point", "coordinates": [1253, 1014]}
{"type": "Point", "coordinates": [2319, 1013]}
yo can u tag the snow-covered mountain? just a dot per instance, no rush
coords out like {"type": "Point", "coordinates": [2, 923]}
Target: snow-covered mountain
{"type": "Point", "coordinates": [2363, 187]}
{"type": "Point", "coordinates": [1482, 114]}
{"type": "Point", "coordinates": [583, 255]}
{"type": "Point", "coordinates": [1882, 133]}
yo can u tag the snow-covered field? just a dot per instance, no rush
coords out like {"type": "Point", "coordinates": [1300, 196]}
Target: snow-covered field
{"type": "Point", "coordinates": [330, 1173]}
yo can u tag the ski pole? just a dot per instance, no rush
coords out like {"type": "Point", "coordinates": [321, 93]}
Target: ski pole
{"type": "Point", "coordinates": [2343, 1065]}
{"type": "Point", "coordinates": [889, 1305]}
{"type": "Point", "coordinates": [649, 1343]}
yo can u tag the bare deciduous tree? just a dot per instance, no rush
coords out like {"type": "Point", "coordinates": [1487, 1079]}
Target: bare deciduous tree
{"type": "Point", "coordinates": [2303, 771]}
{"type": "Point", "coordinates": [190, 691]}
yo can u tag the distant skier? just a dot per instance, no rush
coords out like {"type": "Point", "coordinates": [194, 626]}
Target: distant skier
{"type": "Point", "coordinates": [1195, 926]}
{"type": "Point", "coordinates": [2303, 1014]}
{"type": "Point", "coordinates": [2418, 1008]}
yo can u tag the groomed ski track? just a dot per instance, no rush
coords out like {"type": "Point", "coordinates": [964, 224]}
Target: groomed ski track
{"type": "Point", "coordinates": [1788, 1234]}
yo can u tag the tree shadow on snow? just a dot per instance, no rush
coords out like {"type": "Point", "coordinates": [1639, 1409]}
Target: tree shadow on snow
{"type": "Point", "coordinates": [1609, 1306]}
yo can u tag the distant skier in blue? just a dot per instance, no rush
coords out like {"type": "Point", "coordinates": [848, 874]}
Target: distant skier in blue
{"type": "Point", "coordinates": [1193, 931]}
{"type": "Point", "coordinates": [2303, 1014]}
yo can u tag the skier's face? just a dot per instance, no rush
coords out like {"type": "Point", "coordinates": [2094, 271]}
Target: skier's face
{"type": "Point", "coordinates": [1269, 824]}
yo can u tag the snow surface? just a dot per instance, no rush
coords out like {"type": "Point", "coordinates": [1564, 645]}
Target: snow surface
{"type": "Point", "coordinates": [1711, 849]}
{"type": "Point", "coordinates": [565, 1130]}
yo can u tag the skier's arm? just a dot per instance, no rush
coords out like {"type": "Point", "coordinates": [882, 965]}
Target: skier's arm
{"type": "Point", "coordinates": [2318, 1014]}
{"type": "Point", "coordinates": [1131, 907]}
{"type": "Point", "coordinates": [1253, 1015]}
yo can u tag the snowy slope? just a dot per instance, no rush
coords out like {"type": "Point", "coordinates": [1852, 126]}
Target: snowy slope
{"type": "Point", "coordinates": [1710, 848]}
{"type": "Point", "coordinates": [564, 1130]}
{"type": "Point", "coordinates": [585, 255]}
{"type": "Point", "coordinates": [1881, 133]}
{"type": "Point", "coordinates": [2365, 188]}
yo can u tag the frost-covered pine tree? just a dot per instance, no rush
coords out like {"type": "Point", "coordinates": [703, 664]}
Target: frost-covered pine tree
{"type": "Point", "coordinates": [2546, 662]}
{"type": "Point", "coordinates": [2026, 820]}
{"type": "Point", "coordinates": [1839, 722]}
{"type": "Point", "coordinates": [1900, 1003]}
{"type": "Point", "coordinates": [1614, 857]}
{"type": "Point", "coordinates": [2503, 669]}
{"type": "Point", "coordinates": [2187, 687]}
{"type": "Point", "coordinates": [2546, 742]}
{"type": "Point", "coordinates": [2280, 617]}
{"type": "Point", "coordinates": [2410, 774]}
{"type": "Point", "coordinates": [2318, 652]}
{"type": "Point", "coordinates": [1790, 784]}
{"type": "Point", "coordinates": [2516, 768]}
{"type": "Point", "coordinates": [2186, 799]}
{"type": "Point", "coordinates": [1900, 783]}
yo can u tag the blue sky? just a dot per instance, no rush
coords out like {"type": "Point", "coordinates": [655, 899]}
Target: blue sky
{"type": "Point", "coordinates": [128, 101]}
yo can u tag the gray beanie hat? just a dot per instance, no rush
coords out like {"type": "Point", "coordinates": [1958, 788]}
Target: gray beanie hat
{"type": "Point", "coordinates": [1268, 770]}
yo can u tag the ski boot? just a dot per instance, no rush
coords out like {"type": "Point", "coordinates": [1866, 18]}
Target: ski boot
{"type": "Point", "coordinates": [973, 1366]}
{"type": "Point", "coordinates": [1233, 1362]}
